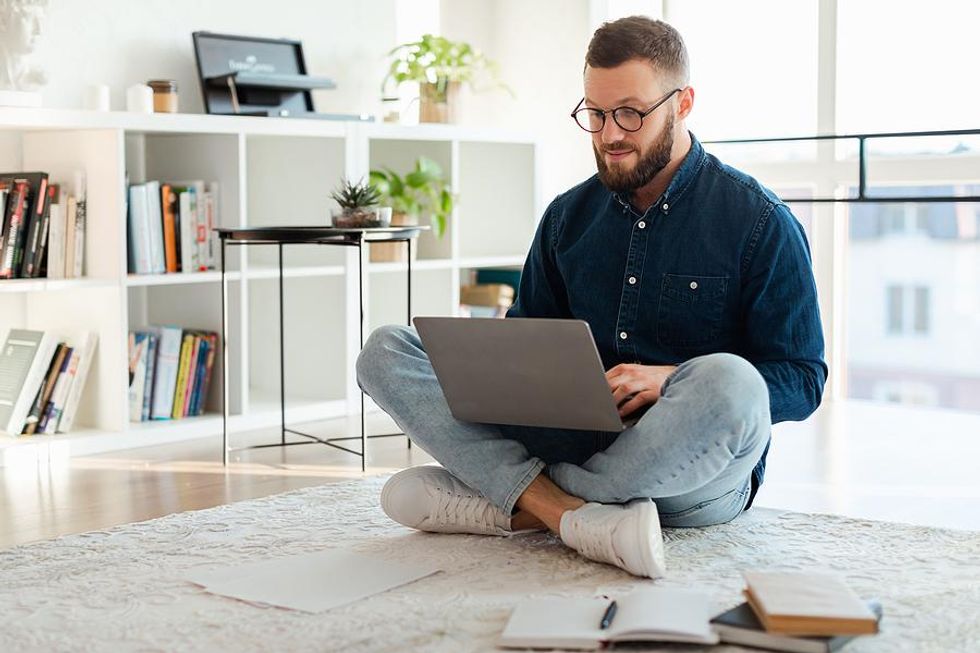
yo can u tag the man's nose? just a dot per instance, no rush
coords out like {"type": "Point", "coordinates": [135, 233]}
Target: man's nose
{"type": "Point", "coordinates": [611, 132]}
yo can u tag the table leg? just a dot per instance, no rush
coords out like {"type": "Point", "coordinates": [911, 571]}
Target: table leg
{"type": "Point", "coordinates": [224, 359]}
{"type": "Point", "coordinates": [282, 356]}
{"type": "Point", "coordinates": [360, 293]}
{"type": "Point", "coordinates": [408, 246]}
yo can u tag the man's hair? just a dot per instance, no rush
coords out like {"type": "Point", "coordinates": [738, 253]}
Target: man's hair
{"type": "Point", "coordinates": [639, 37]}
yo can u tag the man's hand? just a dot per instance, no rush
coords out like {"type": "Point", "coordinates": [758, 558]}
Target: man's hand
{"type": "Point", "coordinates": [637, 386]}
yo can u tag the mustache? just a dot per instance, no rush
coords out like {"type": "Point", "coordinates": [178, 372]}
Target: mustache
{"type": "Point", "coordinates": [617, 148]}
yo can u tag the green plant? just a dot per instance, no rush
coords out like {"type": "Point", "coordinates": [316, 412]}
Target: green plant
{"type": "Point", "coordinates": [437, 60]}
{"type": "Point", "coordinates": [423, 190]}
{"type": "Point", "coordinates": [356, 196]}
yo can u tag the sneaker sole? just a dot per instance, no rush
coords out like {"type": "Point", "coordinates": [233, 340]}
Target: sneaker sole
{"type": "Point", "coordinates": [649, 524]}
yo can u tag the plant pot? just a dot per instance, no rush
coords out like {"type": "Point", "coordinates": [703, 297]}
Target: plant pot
{"type": "Point", "coordinates": [438, 107]}
{"type": "Point", "coordinates": [395, 252]}
{"type": "Point", "coordinates": [364, 217]}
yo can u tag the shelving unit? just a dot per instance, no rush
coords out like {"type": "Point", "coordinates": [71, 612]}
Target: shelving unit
{"type": "Point", "coordinates": [270, 171]}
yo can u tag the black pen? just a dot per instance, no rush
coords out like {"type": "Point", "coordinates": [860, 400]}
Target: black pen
{"type": "Point", "coordinates": [608, 616]}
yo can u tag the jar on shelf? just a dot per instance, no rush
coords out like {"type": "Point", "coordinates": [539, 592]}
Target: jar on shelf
{"type": "Point", "coordinates": [164, 95]}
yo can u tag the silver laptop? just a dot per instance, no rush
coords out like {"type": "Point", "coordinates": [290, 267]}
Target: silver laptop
{"type": "Point", "coordinates": [523, 371]}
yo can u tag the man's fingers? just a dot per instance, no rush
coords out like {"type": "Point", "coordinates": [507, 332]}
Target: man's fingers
{"type": "Point", "coordinates": [639, 401]}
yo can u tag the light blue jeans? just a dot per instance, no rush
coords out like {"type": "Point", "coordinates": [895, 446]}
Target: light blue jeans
{"type": "Point", "coordinates": [692, 452]}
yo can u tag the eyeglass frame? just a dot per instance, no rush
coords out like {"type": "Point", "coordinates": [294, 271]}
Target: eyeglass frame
{"type": "Point", "coordinates": [642, 114]}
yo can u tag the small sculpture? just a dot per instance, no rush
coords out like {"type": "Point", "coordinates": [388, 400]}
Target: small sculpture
{"type": "Point", "coordinates": [20, 29]}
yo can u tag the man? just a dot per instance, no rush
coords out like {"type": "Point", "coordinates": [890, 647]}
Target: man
{"type": "Point", "coordinates": [697, 284]}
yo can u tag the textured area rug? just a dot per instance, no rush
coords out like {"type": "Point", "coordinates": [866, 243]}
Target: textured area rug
{"type": "Point", "coordinates": [122, 589]}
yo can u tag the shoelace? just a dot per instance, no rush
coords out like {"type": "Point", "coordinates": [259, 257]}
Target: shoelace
{"type": "Point", "coordinates": [472, 511]}
{"type": "Point", "coordinates": [593, 537]}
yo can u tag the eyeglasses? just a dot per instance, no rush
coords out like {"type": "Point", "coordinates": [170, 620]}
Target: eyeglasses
{"type": "Point", "coordinates": [628, 118]}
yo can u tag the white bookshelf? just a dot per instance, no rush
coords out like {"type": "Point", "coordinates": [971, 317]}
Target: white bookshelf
{"type": "Point", "coordinates": [270, 172]}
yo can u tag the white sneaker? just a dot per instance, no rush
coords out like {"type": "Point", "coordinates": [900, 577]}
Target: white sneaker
{"type": "Point", "coordinates": [627, 536]}
{"type": "Point", "coordinates": [429, 498]}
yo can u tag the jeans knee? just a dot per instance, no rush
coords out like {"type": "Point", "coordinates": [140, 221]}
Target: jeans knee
{"type": "Point", "coordinates": [735, 386]}
{"type": "Point", "coordinates": [376, 357]}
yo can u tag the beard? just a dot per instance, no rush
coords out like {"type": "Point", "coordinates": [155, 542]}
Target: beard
{"type": "Point", "coordinates": [620, 180]}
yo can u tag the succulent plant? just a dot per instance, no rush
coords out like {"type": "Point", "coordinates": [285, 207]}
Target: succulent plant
{"type": "Point", "coordinates": [356, 196]}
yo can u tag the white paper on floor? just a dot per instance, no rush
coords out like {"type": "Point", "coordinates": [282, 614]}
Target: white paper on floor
{"type": "Point", "coordinates": [311, 582]}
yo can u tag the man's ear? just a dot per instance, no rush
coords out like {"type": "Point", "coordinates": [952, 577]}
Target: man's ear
{"type": "Point", "coordinates": [686, 102]}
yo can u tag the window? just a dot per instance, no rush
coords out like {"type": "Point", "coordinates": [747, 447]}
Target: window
{"type": "Point", "coordinates": [907, 310]}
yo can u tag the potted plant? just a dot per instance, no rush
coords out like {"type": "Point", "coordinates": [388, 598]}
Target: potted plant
{"type": "Point", "coordinates": [439, 66]}
{"type": "Point", "coordinates": [359, 206]}
{"type": "Point", "coordinates": [424, 190]}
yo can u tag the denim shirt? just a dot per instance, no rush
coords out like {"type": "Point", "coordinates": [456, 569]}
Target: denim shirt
{"type": "Point", "coordinates": [717, 264]}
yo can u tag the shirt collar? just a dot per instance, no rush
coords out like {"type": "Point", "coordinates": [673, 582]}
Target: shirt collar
{"type": "Point", "coordinates": [682, 178]}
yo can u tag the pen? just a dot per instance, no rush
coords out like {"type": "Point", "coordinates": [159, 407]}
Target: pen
{"type": "Point", "coordinates": [608, 616]}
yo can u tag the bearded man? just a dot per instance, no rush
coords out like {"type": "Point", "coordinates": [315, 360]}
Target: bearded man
{"type": "Point", "coordinates": [697, 284]}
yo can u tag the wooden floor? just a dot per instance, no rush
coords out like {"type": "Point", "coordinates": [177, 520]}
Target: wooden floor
{"type": "Point", "coordinates": [852, 458]}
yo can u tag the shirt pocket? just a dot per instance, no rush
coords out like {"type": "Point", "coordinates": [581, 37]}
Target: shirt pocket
{"type": "Point", "coordinates": [691, 310]}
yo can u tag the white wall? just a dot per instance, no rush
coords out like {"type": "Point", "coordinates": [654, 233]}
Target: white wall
{"type": "Point", "coordinates": [122, 42]}
{"type": "Point", "coordinates": [540, 47]}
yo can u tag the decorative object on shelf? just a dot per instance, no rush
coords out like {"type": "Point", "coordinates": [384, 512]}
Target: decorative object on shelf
{"type": "Point", "coordinates": [96, 97]}
{"type": "Point", "coordinates": [20, 29]}
{"type": "Point", "coordinates": [359, 206]}
{"type": "Point", "coordinates": [139, 98]}
{"type": "Point", "coordinates": [164, 95]}
{"type": "Point", "coordinates": [440, 66]}
{"type": "Point", "coordinates": [423, 190]}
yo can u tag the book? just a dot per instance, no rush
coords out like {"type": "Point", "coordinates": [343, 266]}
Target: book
{"type": "Point", "coordinates": [42, 253]}
{"type": "Point", "coordinates": [648, 614]}
{"type": "Point", "coordinates": [138, 351]}
{"type": "Point", "coordinates": [187, 219]}
{"type": "Point", "coordinates": [168, 204]}
{"type": "Point", "coordinates": [85, 344]}
{"type": "Point", "coordinates": [196, 238]}
{"type": "Point", "coordinates": [24, 360]}
{"type": "Point", "coordinates": [183, 366]}
{"type": "Point", "coordinates": [158, 257]}
{"type": "Point", "coordinates": [71, 210]}
{"type": "Point", "coordinates": [56, 404]}
{"type": "Point", "coordinates": [211, 218]}
{"type": "Point", "coordinates": [151, 357]}
{"type": "Point", "coordinates": [807, 603]}
{"type": "Point", "coordinates": [140, 243]}
{"type": "Point", "coordinates": [34, 219]}
{"type": "Point", "coordinates": [741, 627]}
{"type": "Point", "coordinates": [81, 218]}
{"type": "Point", "coordinates": [45, 391]}
{"type": "Point", "coordinates": [200, 377]}
{"type": "Point", "coordinates": [165, 375]}
{"type": "Point", "coordinates": [55, 250]}
{"type": "Point", "coordinates": [14, 221]}
{"type": "Point", "coordinates": [191, 376]}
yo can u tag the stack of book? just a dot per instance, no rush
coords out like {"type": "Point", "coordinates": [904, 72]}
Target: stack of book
{"type": "Point", "coordinates": [171, 227]}
{"type": "Point", "coordinates": [43, 231]}
{"type": "Point", "coordinates": [169, 372]}
{"type": "Point", "coordinates": [42, 375]}
{"type": "Point", "coordinates": [797, 611]}
{"type": "Point", "coordinates": [485, 300]}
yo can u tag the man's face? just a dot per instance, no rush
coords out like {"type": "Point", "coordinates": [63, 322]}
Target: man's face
{"type": "Point", "coordinates": [628, 160]}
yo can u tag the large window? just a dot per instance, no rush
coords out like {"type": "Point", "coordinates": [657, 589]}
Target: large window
{"type": "Point", "coordinates": [914, 300]}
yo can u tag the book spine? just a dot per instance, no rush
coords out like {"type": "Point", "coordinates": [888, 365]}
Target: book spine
{"type": "Point", "coordinates": [212, 356]}
{"type": "Point", "coordinates": [35, 416]}
{"type": "Point", "coordinates": [42, 256]}
{"type": "Point", "coordinates": [70, 211]}
{"type": "Point", "coordinates": [16, 209]}
{"type": "Point", "coordinates": [56, 404]}
{"type": "Point", "coordinates": [199, 377]}
{"type": "Point", "coordinates": [55, 255]}
{"type": "Point", "coordinates": [191, 376]}
{"type": "Point", "coordinates": [165, 380]}
{"type": "Point", "coordinates": [86, 353]}
{"type": "Point", "coordinates": [80, 220]}
{"type": "Point", "coordinates": [32, 248]}
{"type": "Point", "coordinates": [178, 401]}
{"type": "Point", "coordinates": [137, 375]}
{"type": "Point", "coordinates": [151, 359]}
{"type": "Point", "coordinates": [187, 231]}
{"type": "Point", "coordinates": [168, 202]}
{"type": "Point", "coordinates": [40, 363]}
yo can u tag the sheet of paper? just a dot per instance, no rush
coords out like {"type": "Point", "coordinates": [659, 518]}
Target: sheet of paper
{"type": "Point", "coordinates": [311, 582]}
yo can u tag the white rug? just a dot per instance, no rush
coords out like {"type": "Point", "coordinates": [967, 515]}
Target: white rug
{"type": "Point", "coordinates": [121, 589]}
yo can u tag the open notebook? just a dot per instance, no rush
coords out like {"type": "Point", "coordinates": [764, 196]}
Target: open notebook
{"type": "Point", "coordinates": [647, 614]}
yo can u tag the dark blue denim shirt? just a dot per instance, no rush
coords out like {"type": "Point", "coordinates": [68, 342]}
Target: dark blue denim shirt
{"type": "Point", "coordinates": [717, 264]}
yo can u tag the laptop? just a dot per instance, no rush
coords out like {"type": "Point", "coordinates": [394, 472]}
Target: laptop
{"type": "Point", "coordinates": [521, 371]}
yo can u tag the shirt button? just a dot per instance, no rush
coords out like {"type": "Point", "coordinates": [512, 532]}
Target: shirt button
{"type": "Point", "coordinates": [642, 224]}
{"type": "Point", "coordinates": [665, 206]}
{"type": "Point", "coordinates": [622, 335]}
{"type": "Point", "coordinates": [694, 285]}
{"type": "Point", "coordinates": [632, 280]}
